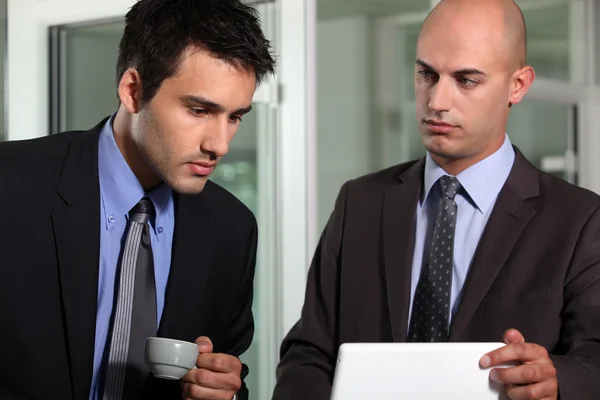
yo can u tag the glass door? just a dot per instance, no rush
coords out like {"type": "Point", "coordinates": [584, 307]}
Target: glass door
{"type": "Point", "coordinates": [546, 133]}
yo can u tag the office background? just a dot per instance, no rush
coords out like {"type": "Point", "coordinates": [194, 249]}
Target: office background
{"type": "Point", "coordinates": [341, 105]}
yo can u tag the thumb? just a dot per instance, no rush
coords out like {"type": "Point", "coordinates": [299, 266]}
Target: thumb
{"type": "Point", "coordinates": [205, 345]}
{"type": "Point", "coordinates": [513, 336]}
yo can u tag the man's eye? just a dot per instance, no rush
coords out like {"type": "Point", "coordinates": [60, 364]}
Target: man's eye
{"type": "Point", "coordinates": [426, 74]}
{"type": "Point", "coordinates": [467, 82]}
{"type": "Point", "coordinates": [198, 111]}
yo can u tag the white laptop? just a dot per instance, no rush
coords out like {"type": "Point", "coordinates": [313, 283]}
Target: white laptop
{"type": "Point", "coordinates": [414, 371]}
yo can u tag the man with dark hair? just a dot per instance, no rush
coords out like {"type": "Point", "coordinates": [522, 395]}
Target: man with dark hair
{"type": "Point", "coordinates": [470, 244]}
{"type": "Point", "coordinates": [116, 234]}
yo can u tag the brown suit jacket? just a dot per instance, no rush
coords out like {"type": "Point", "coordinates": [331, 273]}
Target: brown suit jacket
{"type": "Point", "coordinates": [536, 269]}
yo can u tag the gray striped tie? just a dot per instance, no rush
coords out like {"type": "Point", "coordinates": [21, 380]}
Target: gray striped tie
{"type": "Point", "coordinates": [134, 314]}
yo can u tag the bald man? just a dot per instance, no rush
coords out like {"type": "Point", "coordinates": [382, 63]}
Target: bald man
{"type": "Point", "coordinates": [514, 252]}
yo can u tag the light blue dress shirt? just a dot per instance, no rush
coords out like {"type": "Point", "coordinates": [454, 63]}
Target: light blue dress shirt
{"type": "Point", "coordinates": [120, 190]}
{"type": "Point", "coordinates": [481, 184]}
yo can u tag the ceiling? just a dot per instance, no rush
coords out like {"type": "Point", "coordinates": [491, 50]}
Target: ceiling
{"type": "Point", "coordinates": [329, 9]}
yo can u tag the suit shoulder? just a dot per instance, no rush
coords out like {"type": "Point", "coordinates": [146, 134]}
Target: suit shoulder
{"type": "Point", "coordinates": [46, 146]}
{"type": "Point", "coordinates": [381, 178]}
{"type": "Point", "coordinates": [568, 194]}
{"type": "Point", "coordinates": [34, 159]}
{"type": "Point", "coordinates": [220, 198]}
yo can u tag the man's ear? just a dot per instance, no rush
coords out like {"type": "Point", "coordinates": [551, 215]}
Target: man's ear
{"type": "Point", "coordinates": [521, 81]}
{"type": "Point", "coordinates": [130, 91]}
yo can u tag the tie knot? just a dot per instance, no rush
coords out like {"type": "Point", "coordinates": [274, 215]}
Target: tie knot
{"type": "Point", "coordinates": [142, 211]}
{"type": "Point", "coordinates": [450, 186]}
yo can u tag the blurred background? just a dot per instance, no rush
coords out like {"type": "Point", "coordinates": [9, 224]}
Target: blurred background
{"type": "Point", "coordinates": [341, 105]}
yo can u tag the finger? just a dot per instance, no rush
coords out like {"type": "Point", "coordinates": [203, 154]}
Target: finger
{"type": "Point", "coordinates": [195, 392]}
{"type": "Point", "coordinates": [513, 336]}
{"type": "Point", "coordinates": [213, 380]}
{"type": "Point", "coordinates": [540, 390]}
{"type": "Point", "coordinates": [223, 363]}
{"type": "Point", "coordinates": [521, 352]}
{"type": "Point", "coordinates": [524, 374]}
{"type": "Point", "coordinates": [205, 345]}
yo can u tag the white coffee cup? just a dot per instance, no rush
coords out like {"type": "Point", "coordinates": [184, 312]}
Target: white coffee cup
{"type": "Point", "coordinates": [169, 358]}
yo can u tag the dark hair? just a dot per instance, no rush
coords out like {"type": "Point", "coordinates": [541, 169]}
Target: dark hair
{"type": "Point", "coordinates": [158, 32]}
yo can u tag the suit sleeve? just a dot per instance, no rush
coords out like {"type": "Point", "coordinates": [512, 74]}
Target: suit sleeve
{"type": "Point", "coordinates": [5, 177]}
{"type": "Point", "coordinates": [578, 366]}
{"type": "Point", "coordinates": [6, 395]}
{"type": "Point", "coordinates": [309, 351]}
{"type": "Point", "coordinates": [240, 329]}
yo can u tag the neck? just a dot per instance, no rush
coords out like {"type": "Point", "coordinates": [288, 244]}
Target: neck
{"type": "Point", "coordinates": [454, 166]}
{"type": "Point", "coordinates": [122, 128]}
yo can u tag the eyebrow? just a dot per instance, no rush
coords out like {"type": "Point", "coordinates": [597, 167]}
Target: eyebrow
{"type": "Point", "coordinates": [211, 105]}
{"type": "Point", "coordinates": [466, 71]}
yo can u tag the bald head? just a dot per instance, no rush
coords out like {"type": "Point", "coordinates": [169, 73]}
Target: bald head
{"type": "Point", "coordinates": [501, 20]}
{"type": "Point", "coordinates": [470, 70]}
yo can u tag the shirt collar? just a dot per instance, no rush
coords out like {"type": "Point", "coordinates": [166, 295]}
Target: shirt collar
{"type": "Point", "coordinates": [482, 181]}
{"type": "Point", "coordinates": [119, 187]}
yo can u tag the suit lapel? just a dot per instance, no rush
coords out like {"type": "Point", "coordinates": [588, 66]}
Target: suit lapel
{"type": "Point", "coordinates": [77, 235]}
{"type": "Point", "coordinates": [509, 218]}
{"type": "Point", "coordinates": [191, 261]}
{"type": "Point", "coordinates": [399, 210]}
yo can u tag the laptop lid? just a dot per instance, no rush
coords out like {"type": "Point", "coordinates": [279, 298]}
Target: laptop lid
{"type": "Point", "coordinates": [414, 371]}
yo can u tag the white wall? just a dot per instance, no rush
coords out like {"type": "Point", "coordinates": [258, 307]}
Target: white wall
{"type": "Point", "coordinates": [344, 134]}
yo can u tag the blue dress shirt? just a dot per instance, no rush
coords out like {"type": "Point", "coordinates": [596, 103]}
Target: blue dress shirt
{"type": "Point", "coordinates": [481, 184]}
{"type": "Point", "coordinates": [120, 190]}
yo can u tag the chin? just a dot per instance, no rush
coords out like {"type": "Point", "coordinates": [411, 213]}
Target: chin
{"type": "Point", "coordinates": [189, 186]}
{"type": "Point", "coordinates": [442, 149]}
{"type": "Point", "coordinates": [436, 143]}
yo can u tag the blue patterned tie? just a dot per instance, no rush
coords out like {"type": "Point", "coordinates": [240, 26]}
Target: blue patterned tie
{"type": "Point", "coordinates": [430, 315]}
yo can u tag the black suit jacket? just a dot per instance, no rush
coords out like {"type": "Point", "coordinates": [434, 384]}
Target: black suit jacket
{"type": "Point", "coordinates": [49, 262]}
{"type": "Point", "coordinates": [536, 269]}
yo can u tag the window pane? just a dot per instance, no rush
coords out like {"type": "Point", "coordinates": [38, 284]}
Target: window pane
{"type": "Point", "coordinates": [545, 133]}
{"type": "Point", "coordinates": [335, 9]}
{"type": "Point", "coordinates": [88, 56]}
{"type": "Point", "coordinates": [556, 44]}
{"type": "Point", "coordinates": [411, 146]}
{"type": "Point", "coordinates": [357, 131]}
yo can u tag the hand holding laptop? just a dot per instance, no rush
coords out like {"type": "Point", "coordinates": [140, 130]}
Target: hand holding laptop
{"type": "Point", "coordinates": [533, 378]}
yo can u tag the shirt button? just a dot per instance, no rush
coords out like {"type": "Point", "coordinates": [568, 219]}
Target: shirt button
{"type": "Point", "coordinates": [111, 219]}
{"type": "Point", "coordinates": [160, 229]}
